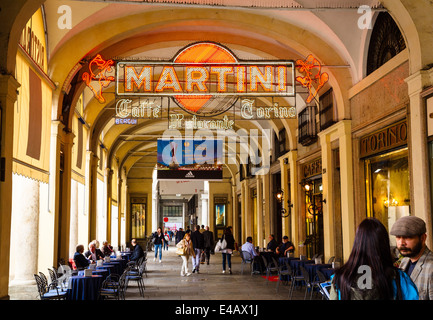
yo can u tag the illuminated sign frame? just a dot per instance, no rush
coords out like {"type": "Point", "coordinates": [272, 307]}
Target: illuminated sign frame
{"type": "Point", "coordinates": [168, 83]}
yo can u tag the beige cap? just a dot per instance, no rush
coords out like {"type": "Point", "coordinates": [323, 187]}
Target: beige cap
{"type": "Point", "coordinates": [408, 226]}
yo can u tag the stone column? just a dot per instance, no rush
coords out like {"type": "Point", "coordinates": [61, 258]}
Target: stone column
{"type": "Point", "coordinates": [294, 187]}
{"type": "Point", "coordinates": [418, 149]}
{"type": "Point", "coordinates": [109, 178]}
{"type": "Point", "coordinates": [267, 200]}
{"type": "Point", "coordinates": [204, 209]}
{"type": "Point", "coordinates": [341, 131]}
{"type": "Point", "coordinates": [8, 96]}
{"type": "Point", "coordinates": [327, 195]}
{"type": "Point", "coordinates": [285, 187]}
{"type": "Point", "coordinates": [347, 197]}
{"type": "Point", "coordinates": [73, 232]}
{"type": "Point", "coordinates": [24, 242]}
{"type": "Point", "coordinates": [91, 189]}
{"type": "Point", "coordinates": [259, 199]}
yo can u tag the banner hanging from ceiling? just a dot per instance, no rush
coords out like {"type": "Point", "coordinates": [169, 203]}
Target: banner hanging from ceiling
{"type": "Point", "coordinates": [189, 159]}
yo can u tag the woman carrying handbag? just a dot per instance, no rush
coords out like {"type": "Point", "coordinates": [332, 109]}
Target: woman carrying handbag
{"type": "Point", "coordinates": [185, 250]}
{"type": "Point", "coordinates": [227, 248]}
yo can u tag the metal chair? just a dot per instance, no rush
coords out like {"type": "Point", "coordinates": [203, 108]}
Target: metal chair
{"type": "Point", "coordinates": [48, 291]}
{"type": "Point", "coordinates": [309, 283]}
{"type": "Point", "coordinates": [137, 276]}
{"type": "Point", "coordinates": [330, 260]}
{"type": "Point", "coordinates": [247, 258]}
{"type": "Point", "coordinates": [285, 272]}
{"type": "Point", "coordinates": [295, 279]}
{"type": "Point", "coordinates": [113, 287]}
{"type": "Point", "coordinates": [270, 267]}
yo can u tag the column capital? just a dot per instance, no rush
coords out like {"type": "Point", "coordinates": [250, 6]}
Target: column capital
{"type": "Point", "coordinates": [8, 87]}
{"type": "Point", "coordinates": [418, 81]}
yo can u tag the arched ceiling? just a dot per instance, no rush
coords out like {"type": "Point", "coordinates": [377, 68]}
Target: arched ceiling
{"type": "Point", "coordinates": [150, 31]}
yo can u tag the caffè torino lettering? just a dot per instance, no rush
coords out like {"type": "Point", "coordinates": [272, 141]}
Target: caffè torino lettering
{"type": "Point", "coordinates": [385, 139]}
{"type": "Point", "coordinates": [249, 111]}
{"type": "Point", "coordinates": [146, 108]}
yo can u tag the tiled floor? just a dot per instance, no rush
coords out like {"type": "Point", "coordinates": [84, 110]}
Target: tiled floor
{"type": "Point", "coordinates": [164, 282]}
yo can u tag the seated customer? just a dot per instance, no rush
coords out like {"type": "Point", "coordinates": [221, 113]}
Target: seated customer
{"type": "Point", "coordinates": [107, 250]}
{"type": "Point", "coordinates": [249, 247]}
{"type": "Point", "coordinates": [272, 244]}
{"type": "Point", "coordinates": [80, 260]}
{"type": "Point", "coordinates": [285, 247]}
{"type": "Point", "coordinates": [137, 253]}
{"type": "Point", "coordinates": [93, 253]}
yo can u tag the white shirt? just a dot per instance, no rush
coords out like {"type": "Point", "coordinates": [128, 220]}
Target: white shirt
{"type": "Point", "coordinates": [249, 247]}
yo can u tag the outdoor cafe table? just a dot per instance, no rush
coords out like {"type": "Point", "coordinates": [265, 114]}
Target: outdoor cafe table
{"type": "Point", "coordinates": [118, 266]}
{"type": "Point", "coordinates": [312, 269]}
{"type": "Point", "coordinates": [328, 272]}
{"type": "Point", "coordinates": [125, 255]}
{"type": "Point", "coordinates": [84, 288]}
{"type": "Point", "coordinates": [98, 272]}
{"type": "Point", "coordinates": [295, 264]}
{"type": "Point", "coordinates": [282, 262]}
{"type": "Point", "coordinates": [109, 268]}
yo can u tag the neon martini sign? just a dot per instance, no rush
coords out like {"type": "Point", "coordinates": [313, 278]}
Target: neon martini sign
{"type": "Point", "coordinates": [206, 79]}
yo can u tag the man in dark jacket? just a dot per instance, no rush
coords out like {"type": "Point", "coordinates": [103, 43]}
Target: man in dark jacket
{"type": "Point", "coordinates": [80, 260]}
{"type": "Point", "coordinates": [93, 254]}
{"type": "Point", "coordinates": [179, 235]}
{"type": "Point", "coordinates": [137, 253]}
{"type": "Point", "coordinates": [198, 245]}
{"type": "Point", "coordinates": [209, 245]}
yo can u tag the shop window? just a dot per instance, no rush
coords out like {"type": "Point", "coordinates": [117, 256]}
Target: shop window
{"type": "Point", "coordinates": [281, 143]}
{"type": "Point", "coordinates": [326, 113]}
{"type": "Point", "coordinates": [138, 218]}
{"type": "Point", "coordinates": [388, 191]}
{"type": "Point", "coordinates": [307, 132]}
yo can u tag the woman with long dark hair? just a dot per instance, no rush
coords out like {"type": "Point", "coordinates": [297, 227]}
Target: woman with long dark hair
{"type": "Point", "coordinates": [228, 250]}
{"type": "Point", "coordinates": [369, 273]}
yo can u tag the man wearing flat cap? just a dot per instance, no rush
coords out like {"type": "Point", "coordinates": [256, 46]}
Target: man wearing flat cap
{"type": "Point", "coordinates": [410, 234]}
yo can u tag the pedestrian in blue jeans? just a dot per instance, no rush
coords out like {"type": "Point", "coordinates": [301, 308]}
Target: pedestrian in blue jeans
{"type": "Point", "coordinates": [159, 241]}
{"type": "Point", "coordinates": [228, 250]}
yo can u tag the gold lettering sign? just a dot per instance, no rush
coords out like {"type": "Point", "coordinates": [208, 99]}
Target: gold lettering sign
{"type": "Point", "coordinates": [312, 168]}
{"type": "Point", "coordinates": [386, 139]}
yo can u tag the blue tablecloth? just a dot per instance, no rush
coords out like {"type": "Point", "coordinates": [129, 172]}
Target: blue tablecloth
{"type": "Point", "coordinates": [118, 266]}
{"type": "Point", "coordinates": [282, 262]}
{"type": "Point", "coordinates": [312, 269]}
{"type": "Point", "coordinates": [84, 288]}
{"type": "Point", "coordinates": [295, 264]}
{"type": "Point", "coordinates": [328, 272]}
{"type": "Point", "coordinates": [109, 268]}
{"type": "Point", "coordinates": [98, 272]}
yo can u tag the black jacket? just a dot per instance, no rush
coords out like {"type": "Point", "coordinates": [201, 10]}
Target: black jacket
{"type": "Point", "coordinates": [98, 252]}
{"type": "Point", "coordinates": [208, 239]}
{"type": "Point", "coordinates": [197, 240]}
{"type": "Point", "coordinates": [80, 261]}
{"type": "Point", "coordinates": [230, 241]}
{"type": "Point", "coordinates": [272, 245]}
{"type": "Point", "coordinates": [137, 253]}
{"type": "Point", "coordinates": [179, 235]}
{"type": "Point", "coordinates": [159, 239]}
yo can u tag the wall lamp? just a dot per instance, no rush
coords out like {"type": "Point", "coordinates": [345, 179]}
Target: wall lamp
{"type": "Point", "coordinates": [279, 195]}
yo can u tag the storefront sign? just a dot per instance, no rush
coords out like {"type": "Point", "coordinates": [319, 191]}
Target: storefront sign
{"type": "Point", "coordinates": [249, 110]}
{"type": "Point", "coordinates": [178, 121]}
{"type": "Point", "coordinates": [386, 139]}
{"type": "Point", "coordinates": [149, 108]}
{"type": "Point", "coordinates": [267, 78]}
{"type": "Point", "coordinates": [312, 168]}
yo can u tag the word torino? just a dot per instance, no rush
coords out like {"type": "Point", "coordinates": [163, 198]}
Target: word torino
{"type": "Point", "coordinates": [264, 78]}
